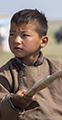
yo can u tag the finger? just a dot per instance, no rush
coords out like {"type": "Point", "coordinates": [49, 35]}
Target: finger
{"type": "Point", "coordinates": [21, 92]}
{"type": "Point", "coordinates": [29, 98]}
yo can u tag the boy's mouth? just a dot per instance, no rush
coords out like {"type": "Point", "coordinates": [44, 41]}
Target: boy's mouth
{"type": "Point", "coordinates": [18, 48]}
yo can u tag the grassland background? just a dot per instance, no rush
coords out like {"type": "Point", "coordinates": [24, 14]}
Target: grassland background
{"type": "Point", "coordinates": [53, 49]}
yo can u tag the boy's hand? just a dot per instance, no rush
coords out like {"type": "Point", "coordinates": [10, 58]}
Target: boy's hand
{"type": "Point", "coordinates": [20, 100]}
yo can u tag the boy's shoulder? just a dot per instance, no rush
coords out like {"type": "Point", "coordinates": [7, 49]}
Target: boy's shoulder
{"type": "Point", "coordinates": [52, 60]}
{"type": "Point", "coordinates": [53, 64]}
{"type": "Point", "coordinates": [7, 65]}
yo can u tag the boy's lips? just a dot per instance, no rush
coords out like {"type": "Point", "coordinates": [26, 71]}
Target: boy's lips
{"type": "Point", "coordinates": [17, 48]}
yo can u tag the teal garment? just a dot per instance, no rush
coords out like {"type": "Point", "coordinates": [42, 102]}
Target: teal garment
{"type": "Point", "coordinates": [48, 102]}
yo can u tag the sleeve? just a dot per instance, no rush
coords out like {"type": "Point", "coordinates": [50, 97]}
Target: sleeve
{"type": "Point", "coordinates": [7, 111]}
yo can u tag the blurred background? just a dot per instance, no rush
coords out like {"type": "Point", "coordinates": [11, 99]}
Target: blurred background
{"type": "Point", "coordinates": [53, 12]}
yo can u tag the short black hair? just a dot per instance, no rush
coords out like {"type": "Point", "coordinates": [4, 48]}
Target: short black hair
{"type": "Point", "coordinates": [32, 16]}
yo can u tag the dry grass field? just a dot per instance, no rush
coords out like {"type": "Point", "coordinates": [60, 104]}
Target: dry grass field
{"type": "Point", "coordinates": [53, 49]}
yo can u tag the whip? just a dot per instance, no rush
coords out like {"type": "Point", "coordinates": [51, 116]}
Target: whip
{"type": "Point", "coordinates": [43, 84]}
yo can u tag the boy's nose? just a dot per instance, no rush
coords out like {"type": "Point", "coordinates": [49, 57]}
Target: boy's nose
{"type": "Point", "coordinates": [18, 39]}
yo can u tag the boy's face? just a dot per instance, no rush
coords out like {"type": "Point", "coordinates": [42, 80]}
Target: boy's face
{"type": "Point", "coordinates": [24, 41]}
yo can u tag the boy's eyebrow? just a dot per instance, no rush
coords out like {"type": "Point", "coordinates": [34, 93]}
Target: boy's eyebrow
{"type": "Point", "coordinates": [12, 31]}
{"type": "Point", "coordinates": [22, 31]}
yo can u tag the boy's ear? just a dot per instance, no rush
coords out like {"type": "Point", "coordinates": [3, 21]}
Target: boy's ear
{"type": "Point", "coordinates": [44, 41]}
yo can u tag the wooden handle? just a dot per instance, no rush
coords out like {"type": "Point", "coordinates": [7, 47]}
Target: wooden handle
{"type": "Point", "coordinates": [43, 83]}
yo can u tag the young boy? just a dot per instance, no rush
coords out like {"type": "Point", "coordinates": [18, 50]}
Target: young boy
{"type": "Point", "coordinates": [27, 36]}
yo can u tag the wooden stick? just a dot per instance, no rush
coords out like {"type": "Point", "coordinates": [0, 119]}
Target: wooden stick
{"type": "Point", "coordinates": [43, 83]}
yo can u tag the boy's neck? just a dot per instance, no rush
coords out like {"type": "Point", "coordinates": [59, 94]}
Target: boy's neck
{"type": "Point", "coordinates": [29, 61]}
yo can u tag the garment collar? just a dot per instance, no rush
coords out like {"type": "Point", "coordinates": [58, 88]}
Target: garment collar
{"type": "Point", "coordinates": [40, 59]}
{"type": "Point", "coordinates": [38, 62]}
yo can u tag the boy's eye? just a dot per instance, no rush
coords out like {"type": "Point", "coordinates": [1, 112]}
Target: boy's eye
{"type": "Point", "coordinates": [11, 34]}
{"type": "Point", "coordinates": [25, 35]}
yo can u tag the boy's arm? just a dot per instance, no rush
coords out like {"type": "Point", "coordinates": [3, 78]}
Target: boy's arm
{"type": "Point", "coordinates": [20, 101]}
{"type": "Point", "coordinates": [12, 105]}
{"type": "Point", "coordinates": [7, 112]}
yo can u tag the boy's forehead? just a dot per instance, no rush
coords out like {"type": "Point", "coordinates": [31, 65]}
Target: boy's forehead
{"type": "Point", "coordinates": [13, 25]}
{"type": "Point", "coordinates": [22, 26]}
